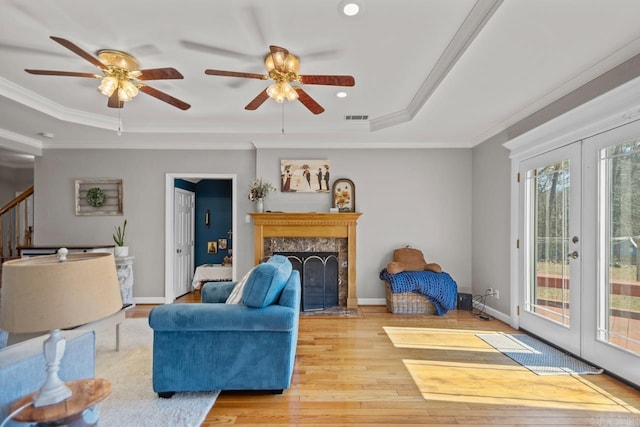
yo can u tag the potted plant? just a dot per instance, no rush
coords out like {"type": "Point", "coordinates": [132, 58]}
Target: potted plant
{"type": "Point", "coordinates": [258, 190]}
{"type": "Point", "coordinates": [118, 237]}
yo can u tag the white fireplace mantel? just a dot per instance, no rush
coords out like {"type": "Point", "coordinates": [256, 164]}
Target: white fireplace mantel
{"type": "Point", "coordinates": [293, 224]}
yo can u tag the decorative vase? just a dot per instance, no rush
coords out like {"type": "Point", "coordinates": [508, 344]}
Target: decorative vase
{"type": "Point", "coordinates": [260, 205]}
{"type": "Point", "coordinates": [121, 251]}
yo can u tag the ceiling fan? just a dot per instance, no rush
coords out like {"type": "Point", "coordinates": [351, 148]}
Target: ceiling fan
{"type": "Point", "coordinates": [122, 77]}
{"type": "Point", "coordinates": [282, 67]}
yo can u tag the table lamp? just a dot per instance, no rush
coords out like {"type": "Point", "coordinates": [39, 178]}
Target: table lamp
{"type": "Point", "coordinates": [54, 292]}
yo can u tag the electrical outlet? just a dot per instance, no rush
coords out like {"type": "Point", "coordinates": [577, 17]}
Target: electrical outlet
{"type": "Point", "coordinates": [490, 292]}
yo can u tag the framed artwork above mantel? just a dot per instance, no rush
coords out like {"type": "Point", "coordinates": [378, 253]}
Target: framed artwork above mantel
{"type": "Point", "coordinates": [98, 197]}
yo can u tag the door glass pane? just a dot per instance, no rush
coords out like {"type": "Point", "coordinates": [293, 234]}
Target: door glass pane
{"type": "Point", "coordinates": [619, 278]}
{"type": "Point", "coordinates": [548, 290]}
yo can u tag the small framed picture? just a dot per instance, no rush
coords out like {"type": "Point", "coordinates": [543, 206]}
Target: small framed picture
{"type": "Point", "coordinates": [222, 244]}
{"type": "Point", "coordinates": [212, 247]}
{"type": "Point", "coordinates": [343, 195]}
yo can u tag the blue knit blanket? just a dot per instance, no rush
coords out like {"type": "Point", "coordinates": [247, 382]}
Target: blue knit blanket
{"type": "Point", "coordinates": [439, 288]}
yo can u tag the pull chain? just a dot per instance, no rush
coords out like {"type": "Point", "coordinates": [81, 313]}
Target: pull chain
{"type": "Point", "coordinates": [283, 118]}
{"type": "Point", "coordinates": [119, 132]}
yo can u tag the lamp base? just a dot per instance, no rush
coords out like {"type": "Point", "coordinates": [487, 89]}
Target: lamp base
{"type": "Point", "coordinates": [54, 389]}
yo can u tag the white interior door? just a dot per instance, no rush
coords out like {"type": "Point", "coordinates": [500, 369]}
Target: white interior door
{"type": "Point", "coordinates": [550, 263]}
{"type": "Point", "coordinates": [183, 236]}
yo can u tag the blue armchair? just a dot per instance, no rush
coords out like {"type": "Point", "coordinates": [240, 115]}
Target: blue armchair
{"type": "Point", "coordinates": [218, 346]}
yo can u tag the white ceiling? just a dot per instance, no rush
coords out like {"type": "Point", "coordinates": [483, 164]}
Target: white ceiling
{"type": "Point", "coordinates": [439, 73]}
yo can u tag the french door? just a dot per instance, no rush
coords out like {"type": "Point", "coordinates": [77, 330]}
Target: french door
{"type": "Point", "coordinates": [612, 210]}
{"type": "Point", "coordinates": [550, 298]}
{"type": "Point", "coordinates": [580, 289]}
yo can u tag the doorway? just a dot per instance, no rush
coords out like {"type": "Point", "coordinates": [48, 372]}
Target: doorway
{"type": "Point", "coordinates": [172, 245]}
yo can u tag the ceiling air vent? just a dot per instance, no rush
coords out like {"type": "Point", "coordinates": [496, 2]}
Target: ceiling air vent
{"type": "Point", "coordinates": [357, 117]}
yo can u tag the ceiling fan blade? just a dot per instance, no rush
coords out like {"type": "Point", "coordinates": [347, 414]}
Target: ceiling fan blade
{"type": "Point", "coordinates": [164, 97]}
{"type": "Point", "coordinates": [219, 51]}
{"type": "Point", "coordinates": [279, 55]}
{"type": "Point", "coordinates": [308, 101]}
{"type": "Point", "coordinates": [236, 74]}
{"type": "Point", "coordinates": [327, 80]}
{"type": "Point", "coordinates": [159, 74]}
{"type": "Point", "coordinates": [257, 101]}
{"type": "Point", "coordinates": [63, 73]}
{"type": "Point", "coordinates": [114, 101]}
{"type": "Point", "coordinates": [78, 51]}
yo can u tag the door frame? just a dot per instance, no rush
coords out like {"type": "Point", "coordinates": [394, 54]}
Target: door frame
{"type": "Point", "coordinates": [169, 246]}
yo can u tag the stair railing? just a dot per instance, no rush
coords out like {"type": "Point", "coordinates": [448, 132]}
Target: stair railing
{"type": "Point", "coordinates": [15, 217]}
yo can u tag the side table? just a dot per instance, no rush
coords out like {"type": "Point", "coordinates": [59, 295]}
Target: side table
{"type": "Point", "coordinates": [86, 393]}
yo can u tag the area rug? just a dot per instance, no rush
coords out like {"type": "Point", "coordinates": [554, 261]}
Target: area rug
{"type": "Point", "coordinates": [538, 357]}
{"type": "Point", "coordinates": [132, 401]}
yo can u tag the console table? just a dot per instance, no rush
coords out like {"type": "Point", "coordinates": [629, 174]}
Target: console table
{"type": "Point", "coordinates": [27, 251]}
{"type": "Point", "coordinates": [212, 273]}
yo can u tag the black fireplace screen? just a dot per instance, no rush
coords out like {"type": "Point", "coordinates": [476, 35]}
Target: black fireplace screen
{"type": "Point", "coordinates": [318, 276]}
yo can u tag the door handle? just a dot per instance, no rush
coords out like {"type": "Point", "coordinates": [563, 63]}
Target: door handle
{"type": "Point", "coordinates": [179, 251]}
{"type": "Point", "coordinates": [573, 255]}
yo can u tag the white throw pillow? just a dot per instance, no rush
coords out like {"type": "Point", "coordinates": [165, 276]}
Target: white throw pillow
{"type": "Point", "coordinates": [235, 297]}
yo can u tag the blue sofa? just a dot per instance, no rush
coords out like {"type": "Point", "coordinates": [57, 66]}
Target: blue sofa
{"type": "Point", "coordinates": [22, 368]}
{"type": "Point", "coordinates": [218, 346]}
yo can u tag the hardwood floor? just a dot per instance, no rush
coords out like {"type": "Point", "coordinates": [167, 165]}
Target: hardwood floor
{"type": "Point", "coordinates": [419, 370]}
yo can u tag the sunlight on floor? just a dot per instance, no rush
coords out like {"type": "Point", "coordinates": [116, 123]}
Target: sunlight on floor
{"type": "Point", "coordinates": [457, 366]}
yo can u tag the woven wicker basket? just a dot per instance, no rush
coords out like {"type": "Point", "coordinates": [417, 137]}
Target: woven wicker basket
{"type": "Point", "coordinates": [408, 303]}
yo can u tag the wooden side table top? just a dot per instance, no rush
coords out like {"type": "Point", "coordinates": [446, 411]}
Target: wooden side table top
{"type": "Point", "coordinates": [85, 394]}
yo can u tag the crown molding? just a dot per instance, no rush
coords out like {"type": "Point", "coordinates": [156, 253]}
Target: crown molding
{"type": "Point", "coordinates": [615, 108]}
{"type": "Point", "coordinates": [475, 21]}
{"type": "Point", "coordinates": [335, 145]}
{"type": "Point", "coordinates": [21, 143]}
{"type": "Point", "coordinates": [618, 58]}
{"type": "Point", "coordinates": [44, 105]}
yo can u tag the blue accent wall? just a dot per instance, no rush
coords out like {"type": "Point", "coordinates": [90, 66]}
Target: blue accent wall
{"type": "Point", "coordinates": [185, 185]}
{"type": "Point", "coordinates": [215, 195]}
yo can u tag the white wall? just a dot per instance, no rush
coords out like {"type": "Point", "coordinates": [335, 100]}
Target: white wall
{"type": "Point", "coordinates": [13, 180]}
{"type": "Point", "coordinates": [420, 198]}
{"type": "Point", "coordinates": [143, 173]}
{"type": "Point", "coordinates": [408, 197]}
{"type": "Point", "coordinates": [491, 222]}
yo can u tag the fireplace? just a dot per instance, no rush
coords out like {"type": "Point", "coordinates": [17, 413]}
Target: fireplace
{"type": "Point", "coordinates": [318, 276]}
{"type": "Point", "coordinates": [275, 232]}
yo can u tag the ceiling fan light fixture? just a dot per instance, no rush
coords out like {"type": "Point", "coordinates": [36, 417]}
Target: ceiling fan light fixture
{"type": "Point", "coordinates": [268, 63]}
{"type": "Point", "coordinates": [108, 85]}
{"type": "Point", "coordinates": [289, 92]}
{"type": "Point", "coordinates": [128, 89]}
{"type": "Point", "coordinates": [272, 90]}
{"type": "Point", "coordinates": [292, 64]}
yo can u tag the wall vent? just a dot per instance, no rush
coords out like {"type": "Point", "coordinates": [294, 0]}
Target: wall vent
{"type": "Point", "coordinates": [357, 117]}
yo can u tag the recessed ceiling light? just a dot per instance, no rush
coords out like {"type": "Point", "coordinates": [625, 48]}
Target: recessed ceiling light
{"type": "Point", "coordinates": [351, 7]}
{"type": "Point", "coordinates": [341, 94]}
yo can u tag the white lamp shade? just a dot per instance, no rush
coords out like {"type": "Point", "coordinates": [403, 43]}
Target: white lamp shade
{"type": "Point", "coordinates": [42, 293]}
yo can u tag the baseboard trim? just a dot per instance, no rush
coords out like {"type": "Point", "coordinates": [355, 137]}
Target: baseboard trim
{"type": "Point", "coordinates": [372, 301]}
{"type": "Point", "coordinates": [149, 300]}
{"type": "Point", "coordinates": [493, 312]}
